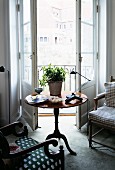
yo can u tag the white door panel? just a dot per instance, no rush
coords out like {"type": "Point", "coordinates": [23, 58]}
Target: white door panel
{"type": "Point", "coordinates": [28, 59]}
{"type": "Point", "coordinates": [29, 112]}
{"type": "Point", "coordinates": [82, 117]}
{"type": "Point", "coordinates": [86, 55]}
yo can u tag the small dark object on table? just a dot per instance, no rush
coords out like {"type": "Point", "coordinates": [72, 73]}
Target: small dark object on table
{"type": "Point", "coordinates": [71, 97]}
{"type": "Point", "coordinates": [38, 90]}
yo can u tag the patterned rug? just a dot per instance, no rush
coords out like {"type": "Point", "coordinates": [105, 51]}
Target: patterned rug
{"type": "Point", "coordinates": [36, 159]}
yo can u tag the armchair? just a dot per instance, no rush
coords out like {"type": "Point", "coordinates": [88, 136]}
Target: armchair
{"type": "Point", "coordinates": [15, 156]}
{"type": "Point", "coordinates": [104, 116]}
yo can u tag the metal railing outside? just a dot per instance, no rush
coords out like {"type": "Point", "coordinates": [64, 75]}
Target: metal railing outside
{"type": "Point", "coordinates": [70, 83]}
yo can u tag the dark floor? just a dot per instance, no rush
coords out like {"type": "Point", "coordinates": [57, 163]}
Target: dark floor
{"type": "Point", "coordinates": [87, 158]}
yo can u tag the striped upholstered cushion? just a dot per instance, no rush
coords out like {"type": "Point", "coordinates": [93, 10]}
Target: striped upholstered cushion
{"type": "Point", "coordinates": [110, 94]}
{"type": "Point", "coordinates": [104, 115]}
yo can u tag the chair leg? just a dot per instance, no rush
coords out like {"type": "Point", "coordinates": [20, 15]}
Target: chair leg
{"type": "Point", "coordinates": [90, 133]}
{"type": "Point", "coordinates": [87, 128]}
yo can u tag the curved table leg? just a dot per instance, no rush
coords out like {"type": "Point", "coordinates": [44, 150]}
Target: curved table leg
{"type": "Point", "coordinates": [53, 135]}
{"type": "Point", "coordinates": [57, 133]}
{"type": "Point", "coordinates": [67, 145]}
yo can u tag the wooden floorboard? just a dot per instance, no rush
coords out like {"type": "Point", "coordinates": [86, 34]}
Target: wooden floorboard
{"type": "Point", "coordinates": [61, 114]}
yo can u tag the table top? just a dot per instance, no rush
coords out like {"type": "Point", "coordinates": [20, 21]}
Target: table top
{"type": "Point", "coordinates": [62, 104]}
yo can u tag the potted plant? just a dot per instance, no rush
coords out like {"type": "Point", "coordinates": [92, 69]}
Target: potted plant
{"type": "Point", "coordinates": [53, 76]}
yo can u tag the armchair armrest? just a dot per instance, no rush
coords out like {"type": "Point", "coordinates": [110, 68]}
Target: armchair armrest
{"type": "Point", "coordinates": [44, 144]}
{"type": "Point", "coordinates": [97, 98]}
{"type": "Point", "coordinates": [11, 129]}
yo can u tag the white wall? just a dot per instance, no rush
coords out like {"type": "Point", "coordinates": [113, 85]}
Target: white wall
{"type": "Point", "coordinates": [106, 42]}
{"type": "Point", "coordinates": [14, 62]}
{"type": "Point", "coordinates": [9, 95]}
{"type": "Point", "coordinates": [3, 76]}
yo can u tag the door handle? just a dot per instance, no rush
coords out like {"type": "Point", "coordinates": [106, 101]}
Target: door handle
{"type": "Point", "coordinates": [80, 58]}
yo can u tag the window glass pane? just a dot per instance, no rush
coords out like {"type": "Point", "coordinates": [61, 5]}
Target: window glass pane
{"type": "Point", "coordinates": [87, 67]}
{"type": "Point", "coordinates": [45, 39]}
{"type": "Point", "coordinates": [27, 38]}
{"type": "Point", "coordinates": [26, 11]}
{"type": "Point", "coordinates": [87, 11]}
{"type": "Point", "coordinates": [86, 38]}
{"type": "Point", "coordinates": [27, 68]}
{"type": "Point", "coordinates": [26, 51]}
{"type": "Point", "coordinates": [41, 39]}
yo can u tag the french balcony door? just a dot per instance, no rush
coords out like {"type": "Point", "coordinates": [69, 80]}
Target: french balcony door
{"type": "Point", "coordinates": [65, 36]}
{"type": "Point", "coordinates": [87, 16]}
{"type": "Point", "coordinates": [56, 35]}
{"type": "Point", "coordinates": [28, 55]}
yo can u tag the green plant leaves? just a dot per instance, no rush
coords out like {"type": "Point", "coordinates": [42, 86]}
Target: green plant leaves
{"type": "Point", "coordinates": [52, 73]}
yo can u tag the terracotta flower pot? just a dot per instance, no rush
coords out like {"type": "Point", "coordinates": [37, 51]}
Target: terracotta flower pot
{"type": "Point", "coordinates": [55, 88]}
